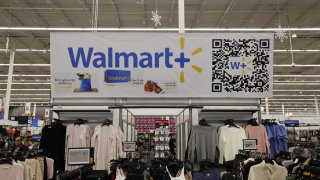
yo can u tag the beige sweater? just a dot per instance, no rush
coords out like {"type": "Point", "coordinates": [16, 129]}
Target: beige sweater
{"type": "Point", "coordinates": [265, 171]}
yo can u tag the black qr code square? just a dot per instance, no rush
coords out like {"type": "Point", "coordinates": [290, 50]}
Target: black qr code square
{"type": "Point", "coordinates": [241, 65]}
{"type": "Point", "coordinates": [216, 43]}
{"type": "Point", "coordinates": [216, 87]}
{"type": "Point", "coordinates": [264, 43]}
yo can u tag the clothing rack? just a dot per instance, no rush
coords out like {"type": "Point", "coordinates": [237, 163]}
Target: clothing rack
{"type": "Point", "coordinates": [75, 173]}
{"type": "Point", "coordinates": [28, 154]}
{"type": "Point", "coordinates": [77, 120]}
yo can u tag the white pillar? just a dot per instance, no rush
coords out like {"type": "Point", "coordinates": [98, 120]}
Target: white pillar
{"type": "Point", "coordinates": [181, 16]}
{"type": "Point", "coordinates": [317, 108]}
{"type": "Point", "coordinates": [195, 116]}
{"type": "Point", "coordinates": [8, 93]}
{"type": "Point", "coordinates": [116, 117]}
{"type": "Point", "coordinates": [34, 110]}
{"type": "Point", "coordinates": [283, 113]}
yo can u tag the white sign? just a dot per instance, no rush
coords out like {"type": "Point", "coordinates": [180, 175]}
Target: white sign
{"type": "Point", "coordinates": [46, 112]}
{"type": "Point", "coordinates": [161, 65]}
{"type": "Point", "coordinates": [27, 108]}
{"type": "Point", "coordinates": [129, 146]}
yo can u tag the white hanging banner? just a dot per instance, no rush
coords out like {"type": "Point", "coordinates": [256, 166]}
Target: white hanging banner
{"type": "Point", "coordinates": [27, 108]}
{"type": "Point", "coordinates": [46, 112]}
{"type": "Point", "coordinates": [161, 65]}
{"type": "Point", "coordinates": [34, 110]}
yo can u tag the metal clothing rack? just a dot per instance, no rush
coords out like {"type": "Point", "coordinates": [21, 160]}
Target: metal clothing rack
{"type": "Point", "coordinates": [76, 120]}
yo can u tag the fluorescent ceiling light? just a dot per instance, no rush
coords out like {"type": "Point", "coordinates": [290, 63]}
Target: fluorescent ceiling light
{"type": "Point", "coordinates": [151, 29]}
{"type": "Point", "coordinates": [30, 94]}
{"type": "Point", "coordinates": [307, 90]}
{"type": "Point", "coordinates": [30, 83]}
{"type": "Point", "coordinates": [27, 50]}
{"type": "Point", "coordinates": [41, 102]}
{"type": "Point", "coordinates": [297, 84]}
{"type": "Point", "coordinates": [290, 99]}
{"type": "Point", "coordinates": [41, 65]}
{"type": "Point", "coordinates": [286, 81]}
{"type": "Point", "coordinates": [296, 65]}
{"type": "Point", "coordinates": [30, 98]}
{"type": "Point", "coordinates": [297, 50]}
{"type": "Point", "coordinates": [296, 75]}
{"type": "Point", "coordinates": [27, 89]}
{"type": "Point", "coordinates": [27, 75]}
{"type": "Point", "coordinates": [294, 95]}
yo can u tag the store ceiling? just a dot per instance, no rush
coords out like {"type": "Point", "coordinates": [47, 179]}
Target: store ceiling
{"type": "Point", "coordinates": [294, 92]}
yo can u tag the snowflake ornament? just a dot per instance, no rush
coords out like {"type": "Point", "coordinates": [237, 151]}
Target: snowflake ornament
{"type": "Point", "coordinates": [156, 18]}
{"type": "Point", "coordinates": [281, 34]}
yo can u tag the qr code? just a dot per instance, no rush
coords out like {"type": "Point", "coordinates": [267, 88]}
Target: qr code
{"type": "Point", "coordinates": [240, 65]}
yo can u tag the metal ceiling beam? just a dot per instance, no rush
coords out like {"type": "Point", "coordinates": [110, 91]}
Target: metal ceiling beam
{"type": "Point", "coordinates": [143, 11]}
{"type": "Point", "coordinates": [284, 99]}
{"type": "Point", "coordinates": [35, 65]}
{"type": "Point", "coordinates": [296, 90]}
{"type": "Point", "coordinates": [296, 65]}
{"type": "Point", "coordinates": [41, 8]}
{"type": "Point", "coordinates": [256, 6]}
{"type": "Point", "coordinates": [275, 17]}
{"type": "Point", "coordinates": [22, 23]}
{"type": "Point", "coordinates": [57, 4]}
{"type": "Point", "coordinates": [32, 34]}
{"type": "Point", "coordinates": [297, 50]}
{"type": "Point", "coordinates": [115, 8]}
{"type": "Point", "coordinates": [299, 18]}
{"type": "Point", "coordinates": [298, 75]}
{"type": "Point", "coordinates": [84, 5]}
{"type": "Point", "coordinates": [226, 12]}
{"type": "Point", "coordinates": [199, 13]}
{"type": "Point", "coordinates": [298, 84]}
{"type": "Point", "coordinates": [84, 29]}
{"type": "Point", "coordinates": [27, 89]}
{"type": "Point", "coordinates": [37, 13]}
{"type": "Point", "coordinates": [292, 95]}
{"type": "Point", "coordinates": [171, 12]}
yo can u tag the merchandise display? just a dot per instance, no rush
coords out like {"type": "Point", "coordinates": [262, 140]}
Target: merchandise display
{"type": "Point", "coordinates": [107, 142]}
{"type": "Point", "coordinates": [159, 90]}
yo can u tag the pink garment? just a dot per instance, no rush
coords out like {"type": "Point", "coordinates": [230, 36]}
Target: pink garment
{"type": "Point", "coordinates": [50, 171]}
{"type": "Point", "coordinates": [11, 172]}
{"type": "Point", "coordinates": [259, 133]}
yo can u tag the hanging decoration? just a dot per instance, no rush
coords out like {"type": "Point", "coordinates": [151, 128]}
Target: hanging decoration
{"type": "Point", "coordinates": [280, 33]}
{"type": "Point", "coordinates": [7, 44]}
{"type": "Point", "coordinates": [156, 18]}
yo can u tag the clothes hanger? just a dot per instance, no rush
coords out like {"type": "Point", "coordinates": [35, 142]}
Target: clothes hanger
{"type": "Point", "coordinates": [107, 122]}
{"type": "Point", "coordinates": [253, 122]}
{"type": "Point", "coordinates": [80, 122]}
{"type": "Point", "coordinates": [6, 161]}
{"type": "Point", "coordinates": [230, 123]}
{"type": "Point", "coordinates": [203, 122]}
